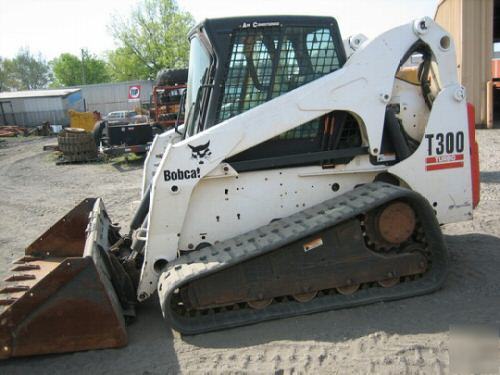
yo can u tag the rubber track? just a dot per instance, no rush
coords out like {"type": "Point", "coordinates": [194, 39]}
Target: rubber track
{"type": "Point", "coordinates": [279, 233]}
{"type": "Point", "coordinates": [77, 146]}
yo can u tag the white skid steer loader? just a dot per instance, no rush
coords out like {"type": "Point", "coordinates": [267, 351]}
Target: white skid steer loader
{"type": "Point", "coordinates": [311, 174]}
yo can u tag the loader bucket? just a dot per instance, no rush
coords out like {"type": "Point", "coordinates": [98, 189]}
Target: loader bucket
{"type": "Point", "coordinates": [60, 296]}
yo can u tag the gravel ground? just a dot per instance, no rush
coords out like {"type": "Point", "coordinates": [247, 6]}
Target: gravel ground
{"type": "Point", "coordinates": [409, 336]}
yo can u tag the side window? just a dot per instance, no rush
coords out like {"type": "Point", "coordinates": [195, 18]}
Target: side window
{"type": "Point", "coordinates": [268, 62]}
{"type": "Point", "coordinates": [337, 130]}
{"type": "Point", "coordinates": [322, 60]}
{"type": "Point", "coordinates": [260, 72]}
{"type": "Point", "coordinates": [248, 76]}
{"type": "Point", "coordinates": [232, 87]}
{"type": "Point", "coordinates": [307, 131]}
{"type": "Point", "coordinates": [265, 63]}
{"type": "Point", "coordinates": [322, 52]}
{"type": "Point", "coordinates": [287, 75]}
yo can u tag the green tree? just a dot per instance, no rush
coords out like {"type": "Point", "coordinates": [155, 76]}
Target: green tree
{"type": "Point", "coordinates": [154, 37]}
{"type": "Point", "coordinates": [4, 75]}
{"type": "Point", "coordinates": [70, 70]}
{"type": "Point", "coordinates": [67, 70]}
{"type": "Point", "coordinates": [124, 65]}
{"type": "Point", "coordinates": [24, 72]}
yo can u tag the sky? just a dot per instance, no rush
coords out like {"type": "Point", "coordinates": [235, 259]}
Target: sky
{"type": "Point", "coordinates": [51, 27]}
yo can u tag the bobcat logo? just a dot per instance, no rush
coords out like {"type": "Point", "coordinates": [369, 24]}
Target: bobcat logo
{"type": "Point", "coordinates": [200, 152]}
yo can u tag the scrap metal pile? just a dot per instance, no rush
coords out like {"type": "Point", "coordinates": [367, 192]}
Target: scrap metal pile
{"type": "Point", "coordinates": [16, 130]}
{"type": "Point", "coordinates": [12, 131]}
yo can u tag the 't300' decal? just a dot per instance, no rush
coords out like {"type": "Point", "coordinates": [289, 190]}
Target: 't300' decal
{"type": "Point", "coordinates": [440, 143]}
{"type": "Point", "coordinates": [448, 150]}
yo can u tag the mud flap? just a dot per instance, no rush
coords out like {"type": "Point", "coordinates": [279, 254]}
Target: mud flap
{"type": "Point", "coordinates": [60, 297]}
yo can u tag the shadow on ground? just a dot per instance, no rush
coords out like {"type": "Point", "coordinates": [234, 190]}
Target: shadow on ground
{"type": "Point", "coordinates": [492, 177]}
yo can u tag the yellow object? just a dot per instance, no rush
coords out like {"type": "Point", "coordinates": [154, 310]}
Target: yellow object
{"type": "Point", "coordinates": [83, 120]}
{"type": "Point", "coordinates": [409, 74]}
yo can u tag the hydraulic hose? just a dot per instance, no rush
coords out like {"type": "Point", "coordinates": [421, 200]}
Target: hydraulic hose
{"type": "Point", "coordinates": [141, 212]}
{"type": "Point", "coordinates": [396, 135]}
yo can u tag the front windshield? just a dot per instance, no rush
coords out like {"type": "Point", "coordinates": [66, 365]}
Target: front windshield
{"type": "Point", "coordinates": [199, 61]}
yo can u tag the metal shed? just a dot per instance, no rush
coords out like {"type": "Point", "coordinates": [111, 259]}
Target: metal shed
{"type": "Point", "coordinates": [107, 97]}
{"type": "Point", "coordinates": [470, 22]}
{"type": "Point", "coordinates": [32, 108]}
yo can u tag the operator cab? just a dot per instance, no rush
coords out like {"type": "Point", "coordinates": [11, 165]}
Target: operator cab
{"type": "Point", "coordinates": [239, 63]}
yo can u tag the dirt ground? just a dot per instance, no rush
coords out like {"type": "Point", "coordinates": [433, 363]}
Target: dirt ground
{"type": "Point", "coordinates": [409, 336]}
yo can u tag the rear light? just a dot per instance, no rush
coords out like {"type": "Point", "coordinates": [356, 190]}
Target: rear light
{"type": "Point", "coordinates": [474, 156]}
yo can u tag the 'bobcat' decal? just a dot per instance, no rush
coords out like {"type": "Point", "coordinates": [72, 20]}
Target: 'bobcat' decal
{"type": "Point", "coordinates": [200, 152]}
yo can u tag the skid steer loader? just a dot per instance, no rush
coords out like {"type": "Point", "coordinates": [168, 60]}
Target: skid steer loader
{"type": "Point", "coordinates": [312, 173]}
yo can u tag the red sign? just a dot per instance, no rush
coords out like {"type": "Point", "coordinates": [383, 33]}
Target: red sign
{"type": "Point", "coordinates": [134, 92]}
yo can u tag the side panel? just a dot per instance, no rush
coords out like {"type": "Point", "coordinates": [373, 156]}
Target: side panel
{"type": "Point", "coordinates": [440, 168]}
{"type": "Point", "coordinates": [225, 206]}
{"type": "Point", "coordinates": [156, 152]}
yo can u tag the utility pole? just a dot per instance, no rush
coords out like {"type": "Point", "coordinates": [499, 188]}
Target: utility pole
{"type": "Point", "coordinates": [82, 51]}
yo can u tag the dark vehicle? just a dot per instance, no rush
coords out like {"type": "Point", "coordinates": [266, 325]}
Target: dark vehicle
{"type": "Point", "coordinates": [166, 104]}
{"type": "Point", "coordinates": [127, 131]}
{"type": "Point", "coordinates": [165, 109]}
{"type": "Point", "coordinates": [134, 136]}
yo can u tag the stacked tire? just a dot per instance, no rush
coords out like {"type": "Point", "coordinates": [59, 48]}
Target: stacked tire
{"type": "Point", "coordinates": [171, 77]}
{"type": "Point", "coordinates": [77, 145]}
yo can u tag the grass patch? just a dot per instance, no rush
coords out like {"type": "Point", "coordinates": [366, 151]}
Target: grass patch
{"type": "Point", "coordinates": [127, 158]}
{"type": "Point", "coordinates": [127, 162]}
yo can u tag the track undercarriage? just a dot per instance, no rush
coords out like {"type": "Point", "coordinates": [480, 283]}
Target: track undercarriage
{"type": "Point", "coordinates": [376, 243]}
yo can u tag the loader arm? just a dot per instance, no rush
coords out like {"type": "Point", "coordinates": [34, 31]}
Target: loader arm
{"type": "Point", "coordinates": [156, 152]}
{"type": "Point", "coordinates": [362, 87]}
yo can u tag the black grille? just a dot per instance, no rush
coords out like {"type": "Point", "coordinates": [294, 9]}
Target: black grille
{"type": "Point", "coordinates": [267, 62]}
{"type": "Point", "coordinates": [351, 134]}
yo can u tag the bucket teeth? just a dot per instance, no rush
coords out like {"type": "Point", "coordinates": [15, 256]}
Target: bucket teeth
{"type": "Point", "coordinates": [26, 259]}
{"type": "Point", "coordinates": [25, 267]}
{"type": "Point", "coordinates": [7, 301]}
{"type": "Point", "coordinates": [37, 315]}
{"type": "Point", "coordinates": [14, 289]}
{"type": "Point", "coordinates": [22, 277]}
